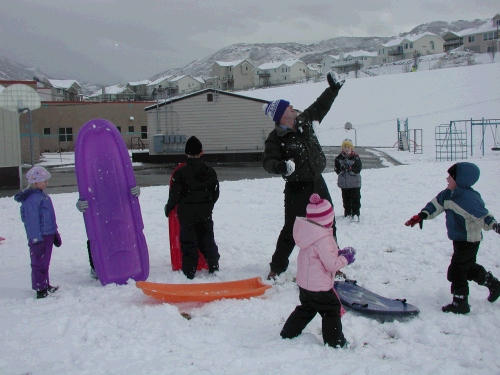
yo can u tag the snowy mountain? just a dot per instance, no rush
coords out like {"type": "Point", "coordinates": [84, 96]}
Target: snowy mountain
{"type": "Point", "coordinates": [260, 53]}
{"type": "Point", "coordinates": [257, 53]}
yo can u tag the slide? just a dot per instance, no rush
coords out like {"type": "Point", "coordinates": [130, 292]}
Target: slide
{"type": "Point", "coordinates": [113, 219]}
{"type": "Point", "coordinates": [204, 292]}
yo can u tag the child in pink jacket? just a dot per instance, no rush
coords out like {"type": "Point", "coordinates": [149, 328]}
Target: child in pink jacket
{"type": "Point", "coordinates": [318, 261]}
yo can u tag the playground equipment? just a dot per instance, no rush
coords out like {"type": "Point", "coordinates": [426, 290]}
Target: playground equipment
{"type": "Point", "coordinates": [484, 124]}
{"type": "Point", "coordinates": [408, 140]}
{"type": "Point", "coordinates": [348, 126]}
{"type": "Point", "coordinates": [452, 139]}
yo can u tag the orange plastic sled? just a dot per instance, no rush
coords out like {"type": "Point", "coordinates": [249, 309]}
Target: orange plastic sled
{"type": "Point", "coordinates": [204, 292]}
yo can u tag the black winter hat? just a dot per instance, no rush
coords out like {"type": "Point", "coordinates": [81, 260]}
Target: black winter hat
{"type": "Point", "coordinates": [453, 171]}
{"type": "Point", "coordinates": [193, 146]}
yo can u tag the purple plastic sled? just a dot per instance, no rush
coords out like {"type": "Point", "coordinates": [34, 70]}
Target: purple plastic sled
{"type": "Point", "coordinates": [113, 219]}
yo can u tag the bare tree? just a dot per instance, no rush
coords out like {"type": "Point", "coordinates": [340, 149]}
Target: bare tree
{"type": "Point", "coordinates": [492, 49]}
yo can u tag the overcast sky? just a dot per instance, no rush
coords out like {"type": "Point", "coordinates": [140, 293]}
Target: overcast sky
{"type": "Point", "coordinates": [116, 41]}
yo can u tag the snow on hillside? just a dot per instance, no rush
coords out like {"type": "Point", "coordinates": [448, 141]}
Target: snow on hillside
{"type": "Point", "coordinates": [86, 328]}
{"type": "Point", "coordinates": [426, 98]}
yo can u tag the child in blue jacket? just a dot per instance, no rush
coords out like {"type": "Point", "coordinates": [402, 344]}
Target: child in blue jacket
{"type": "Point", "coordinates": [466, 217]}
{"type": "Point", "coordinates": [39, 218]}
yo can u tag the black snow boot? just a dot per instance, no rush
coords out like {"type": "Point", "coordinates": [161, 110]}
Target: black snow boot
{"type": "Point", "coordinates": [494, 286]}
{"type": "Point", "coordinates": [41, 293]}
{"type": "Point", "coordinates": [459, 305]}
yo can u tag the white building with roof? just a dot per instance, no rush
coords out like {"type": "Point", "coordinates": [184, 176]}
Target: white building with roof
{"type": "Point", "coordinates": [482, 39]}
{"type": "Point", "coordinates": [280, 72]}
{"type": "Point", "coordinates": [140, 88]}
{"type": "Point", "coordinates": [403, 48]}
{"type": "Point", "coordinates": [159, 87]}
{"type": "Point", "coordinates": [327, 62]}
{"type": "Point", "coordinates": [59, 90]}
{"type": "Point", "coordinates": [354, 61]}
{"type": "Point", "coordinates": [232, 75]}
{"type": "Point", "coordinates": [185, 84]}
{"type": "Point", "coordinates": [115, 93]}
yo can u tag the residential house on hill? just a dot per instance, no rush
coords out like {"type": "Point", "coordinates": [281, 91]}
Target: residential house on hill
{"type": "Point", "coordinates": [403, 48]}
{"type": "Point", "coordinates": [482, 39]}
{"type": "Point", "coordinates": [57, 90]}
{"type": "Point", "coordinates": [140, 89]}
{"type": "Point", "coordinates": [184, 84]}
{"type": "Point", "coordinates": [113, 93]}
{"type": "Point", "coordinates": [354, 61]}
{"type": "Point", "coordinates": [232, 75]}
{"type": "Point", "coordinates": [158, 88]}
{"type": "Point", "coordinates": [327, 62]}
{"type": "Point", "coordinates": [280, 72]}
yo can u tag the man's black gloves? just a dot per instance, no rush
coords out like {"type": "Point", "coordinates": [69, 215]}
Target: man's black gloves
{"type": "Point", "coordinates": [334, 81]}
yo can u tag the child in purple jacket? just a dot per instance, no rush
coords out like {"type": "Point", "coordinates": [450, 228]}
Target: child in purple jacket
{"type": "Point", "coordinates": [318, 260]}
{"type": "Point", "coordinates": [39, 218]}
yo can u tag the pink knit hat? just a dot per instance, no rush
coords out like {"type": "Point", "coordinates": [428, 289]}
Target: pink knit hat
{"type": "Point", "coordinates": [320, 211]}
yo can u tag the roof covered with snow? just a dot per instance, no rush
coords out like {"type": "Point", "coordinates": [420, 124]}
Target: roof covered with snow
{"type": "Point", "coordinates": [230, 63]}
{"type": "Point", "coordinates": [139, 83]}
{"type": "Point", "coordinates": [409, 38]}
{"type": "Point", "coordinates": [277, 64]}
{"type": "Point", "coordinates": [63, 83]}
{"type": "Point", "coordinates": [161, 79]}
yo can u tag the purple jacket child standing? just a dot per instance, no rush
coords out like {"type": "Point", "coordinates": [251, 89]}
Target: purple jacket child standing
{"type": "Point", "coordinates": [39, 218]}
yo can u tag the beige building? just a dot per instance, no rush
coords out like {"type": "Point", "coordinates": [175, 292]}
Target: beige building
{"type": "Point", "coordinates": [483, 39]}
{"type": "Point", "coordinates": [228, 125]}
{"type": "Point", "coordinates": [232, 75]}
{"type": "Point", "coordinates": [10, 150]}
{"type": "Point", "coordinates": [56, 124]}
{"type": "Point", "coordinates": [115, 93]}
{"type": "Point", "coordinates": [280, 72]}
{"type": "Point", "coordinates": [58, 90]}
{"type": "Point", "coordinates": [353, 61]}
{"type": "Point", "coordinates": [185, 84]}
{"type": "Point", "coordinates": [404, 47]}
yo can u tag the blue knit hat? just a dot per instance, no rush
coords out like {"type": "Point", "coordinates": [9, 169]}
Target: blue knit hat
{"type": "Point", "coordinates": [275, 109]}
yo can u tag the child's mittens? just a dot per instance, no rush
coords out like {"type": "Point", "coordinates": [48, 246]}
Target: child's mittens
{"type": "Point", "coordinates": [135, 191]}
{"type": "Point", "coordinates": [348, 253]}
{"type": "Point", "coordinates": [417, 219]}
{"type": "Point", "coordinates": [57, 240]}
{"type": "Point", "coordinates": [496, 228]}
{"type": "Point", "coordinates": [82, 205]}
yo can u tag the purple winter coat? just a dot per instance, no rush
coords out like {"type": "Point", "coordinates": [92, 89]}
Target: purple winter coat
{"type": "Point", "coordinates": [318, 258]}
{"type": "Point", "coordinates": [37, 213]}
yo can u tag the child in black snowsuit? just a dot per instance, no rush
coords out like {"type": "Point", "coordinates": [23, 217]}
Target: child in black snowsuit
{"type": "Point", "coordinates": [348, 167]}
{"type": "Point", "coordinates": [466, 217]}
{"type": "Point", "coordinates": [195, 189]}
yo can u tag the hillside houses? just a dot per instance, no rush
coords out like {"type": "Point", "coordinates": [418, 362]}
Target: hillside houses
{"type": "Point", "coordinates": [282, 72]}
{"type": "Point", "coordinates": [232, 75]}
{"type": "Point", "coordinates": [404, 47]}
{"type": "Point", "coordinates": [353, 61]}
{"type": "Point", "coordinates": [483, 39]}
{"type": "Point", "coordinates": [56, 90]}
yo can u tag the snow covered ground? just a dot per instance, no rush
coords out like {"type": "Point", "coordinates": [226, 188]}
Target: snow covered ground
{"type": "Point", "coordinates": [86, 328]}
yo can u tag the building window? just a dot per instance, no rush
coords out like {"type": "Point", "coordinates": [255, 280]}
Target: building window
{"type": "Point", "coordinates": [65, 134]}
{"type": "Point", "coordinates": [432, 44]}
{"type": "Point", "coordinates": [131, 129]}
{"type": "Point", "coordinates": [144, 132]}
{"type": "Point", "coordinates": [119, 128]}
{"type": "Point", "coordinates": [497, 22]}
{"type": "Point", "coordinates": [411, 45]}
{"type": "Point", "coordinates": [46, 131]}
{"type": "Point", "coordinates": [210, 97]}
{"type": "Point", "coordinates": [406, 45]}
{"type": "Point", "coordinates": [471, 39]}
{"type": "Point", "coordinates": [489, 36]}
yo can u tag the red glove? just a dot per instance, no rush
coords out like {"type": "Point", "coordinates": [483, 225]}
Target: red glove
{"type": "Point", "coordinates": [416, 219]}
